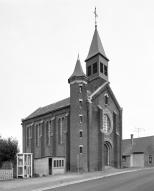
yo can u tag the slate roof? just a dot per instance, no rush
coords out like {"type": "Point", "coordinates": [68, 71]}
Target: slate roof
{"type": "Point", "coordinates": [141, 144]}
{"type": "Point", "coordinates": [78, 71]}
{"type": "Point", "coordinates": [49, 108]}
{"type": "Point", "coordinates": [96, 46]}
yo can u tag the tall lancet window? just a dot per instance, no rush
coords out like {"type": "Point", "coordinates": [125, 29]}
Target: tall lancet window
{"type": "Point", "coordinates": [48, 132]}
{"type": "Point", "coordinates": [106, 124]}
{"type": "Point", "coordinates": [37, 135]}
{"type": "Point", "coordinates": [29, 135]}
{"type": "Point", "coordinates": [60, 130]}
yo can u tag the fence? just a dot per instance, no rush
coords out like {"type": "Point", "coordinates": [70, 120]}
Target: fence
{"type": "Point", "coordinates": [6, 174]}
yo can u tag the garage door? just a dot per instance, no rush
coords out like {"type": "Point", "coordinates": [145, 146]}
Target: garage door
{"type": "Point", "coordinates": [138, 160]}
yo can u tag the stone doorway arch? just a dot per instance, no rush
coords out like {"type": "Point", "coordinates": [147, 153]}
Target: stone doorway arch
{"type": "Point", "coordinates": [107, 153]}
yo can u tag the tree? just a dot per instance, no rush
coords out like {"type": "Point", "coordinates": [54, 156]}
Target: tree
{"type": "Point", "coordinates": [8, 150]}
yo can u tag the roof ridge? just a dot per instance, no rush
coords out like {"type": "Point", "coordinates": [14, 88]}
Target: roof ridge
{"type": "Point", "coordinates": [55, 102]}
{"type": "Point", "coordinates": [49, 108]}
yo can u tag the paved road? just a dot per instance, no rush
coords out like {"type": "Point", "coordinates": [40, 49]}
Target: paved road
{"type": "Point", "coordinates": [135, 181]}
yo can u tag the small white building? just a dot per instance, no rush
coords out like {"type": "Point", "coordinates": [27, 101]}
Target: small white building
{"type": "Point", "coordinates": [49, 166]}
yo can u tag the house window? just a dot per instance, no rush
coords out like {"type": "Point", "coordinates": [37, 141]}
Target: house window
{"type": "Point", "coordinates": [81, 149]}
{"type": "Point", "coordinates": [101, 67]}
{"type": "Point", "coordinates": [55, 163]}
{"type": "Point", "coordinates": [60, 130]}
{"type": "Point", "coordinates": [62, 162]}
{"type": "Point", "coordinates": [150, 159]}
{"type": "Point", "coordinates": [81, 133]}
{"type": "Point", "coordinates": [95, 68]}
{"type": "Point", "coordinates": [89, 71]}
{"type": "Point", "coordinates": [58, 163]}
{"type": "Point", "coordinates": [105, 70]}
{"type": "Point", "coordinates": [81, 118]}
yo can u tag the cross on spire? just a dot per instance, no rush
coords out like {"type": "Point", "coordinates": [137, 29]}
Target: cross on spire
{"type": "Point", "coordinates": [95, 13]}
{"type": "Point", "coordinates": [78, 57]}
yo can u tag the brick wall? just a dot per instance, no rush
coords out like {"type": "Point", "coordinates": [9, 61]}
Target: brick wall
{"type": "Point", "coordinates": [44, 150]}
{"type": "Point", "coordinates": [77, 159]}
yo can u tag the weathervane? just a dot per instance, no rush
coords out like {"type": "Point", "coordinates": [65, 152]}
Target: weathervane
{"type": "Point", "coordinates": [95, 17]}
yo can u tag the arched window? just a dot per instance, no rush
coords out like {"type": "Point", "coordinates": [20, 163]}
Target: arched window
{"type": "Point", "coordinates": [106, 124]}
{"type": "Point", "coordinates": [37, 135]}
{"type": "Point", "coordinates": [60, 130]}
{"type": "Point", "coordinates": [106, 97]}
{"type": "Point", "coordinates": [29, 135]}
{"type": "Point", "coordinates": [48, 132]}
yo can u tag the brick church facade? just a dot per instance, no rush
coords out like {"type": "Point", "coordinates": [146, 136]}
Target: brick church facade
{"type": "Point", "coordinates": [82, 132]}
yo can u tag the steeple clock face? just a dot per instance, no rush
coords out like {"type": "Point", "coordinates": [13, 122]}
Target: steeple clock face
{"type": "Point", "coordinates": [107, 128]}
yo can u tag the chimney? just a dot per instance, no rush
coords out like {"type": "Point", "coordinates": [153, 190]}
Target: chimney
{"type": "Point", "coordinates": [131, 137]}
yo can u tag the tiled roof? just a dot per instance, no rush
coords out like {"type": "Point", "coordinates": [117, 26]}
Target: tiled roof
{"type": "Point", "coordinates": [96, 46]}
{"type": "Point", "coordinates": [49, 108]}
{"type": "Point", "coordinates": [141, 144]}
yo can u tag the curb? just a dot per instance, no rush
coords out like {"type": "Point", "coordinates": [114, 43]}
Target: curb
{"type": "Point", "coordinates": [84, 180]}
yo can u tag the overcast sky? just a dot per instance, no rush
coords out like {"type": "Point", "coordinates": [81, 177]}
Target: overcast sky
{"type": "Point", "coordinates": [39, 44]}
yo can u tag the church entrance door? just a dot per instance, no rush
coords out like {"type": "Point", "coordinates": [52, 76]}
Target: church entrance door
{"type": "Point", "coordinates": [107, 153]}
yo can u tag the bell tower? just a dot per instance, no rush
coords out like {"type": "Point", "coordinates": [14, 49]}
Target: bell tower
{"type": "Point", "coordinates": [96, 61]}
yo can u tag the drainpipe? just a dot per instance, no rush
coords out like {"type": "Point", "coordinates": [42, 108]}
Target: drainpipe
{"type": "Point", "coordinates": [131, 136]}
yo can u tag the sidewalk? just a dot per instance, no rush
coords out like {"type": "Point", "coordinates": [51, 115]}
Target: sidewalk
{"type": "Point", "coordinates": [41, 183]}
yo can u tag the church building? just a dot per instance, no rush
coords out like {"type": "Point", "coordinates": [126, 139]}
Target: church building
{"type": "Point", "coordinates": [80, 133]}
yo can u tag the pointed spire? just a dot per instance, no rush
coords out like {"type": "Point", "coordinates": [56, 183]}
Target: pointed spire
{"type": "Point", "coordinates": [78, 71]}
{"type": "Point", "coordinates": [96, 46]}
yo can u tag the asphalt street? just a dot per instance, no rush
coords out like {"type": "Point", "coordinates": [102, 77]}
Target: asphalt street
{"type": "Point", "coordinates": [135, 181]}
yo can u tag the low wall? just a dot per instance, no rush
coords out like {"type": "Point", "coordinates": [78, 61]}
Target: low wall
{"type": "Point", "coordinates": [6, 174]}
